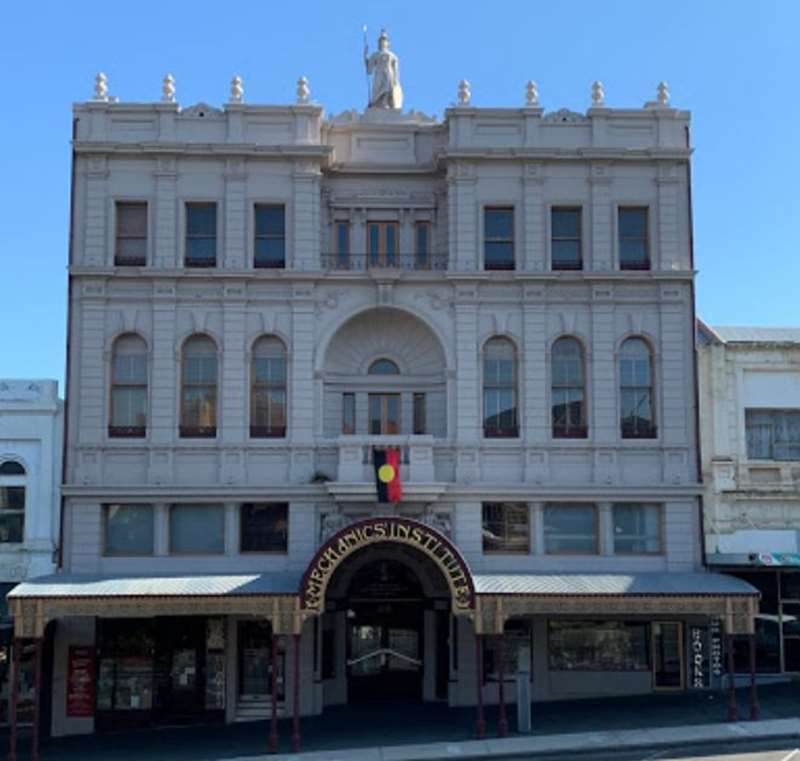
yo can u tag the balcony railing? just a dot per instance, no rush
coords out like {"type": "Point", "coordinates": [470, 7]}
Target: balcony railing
{"type": "Point", "coordinates": [384, 261]}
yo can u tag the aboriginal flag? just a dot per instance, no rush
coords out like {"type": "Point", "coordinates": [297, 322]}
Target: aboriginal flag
{"type": "Point", "coordinates": [387, 474]}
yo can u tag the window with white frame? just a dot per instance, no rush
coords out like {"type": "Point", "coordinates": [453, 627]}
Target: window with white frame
{"type": "Point", "coordinates": [128, 387]}
{"type": "Point", "coordinates": [129, 529]}
{"type": "Point", "coordinates": [197, 529]}
{"type": "Point", "coordinates": [13, 481]}
{"type": "Point", "coordinates": [570, 529]}
{"type": "Point", "coordinates": [637, 529]}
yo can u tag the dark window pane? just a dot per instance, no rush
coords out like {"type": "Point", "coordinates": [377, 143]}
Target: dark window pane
{"type": "Point", "coordinates": [197, 529]}
{"type": "Point", "coordinates": [419, 414]}
{"type": "Point", "coordinates": [632, 252]}
{"type": "Point", "coordinates": [129, 530]}
{"type": "Point", "coordinates": [264, 527]}
{"type": "Point", "coordinates": [348, 413]}
{"type": "Point", "coordinates": [383, 367]}
{"type": "Point", "coordinates": [637, 529]}
{"type": "Point", "coordinates": [633, 223]}
{"type": "Point", "coordinates": [270, 221]}
{"type": "Point", "coordinates": [566, 223]}
{"type": "Point", "coordinates": [570, 529]}
{"type": "Point", "coordinates": [11, 468]}
{"type": "Point", "coordinates": [506, 527]}
{"type": "Point", "coordinates": [498, 223]}
{"type": "Point", "coordinates": [598, 646]}
{"type": "Point", "coordinates": [201, 250]}
{"type": "Point", "coordinates": [343, 237]}
{"type": "Point", "coordinates": [132, 220]}
{"type": "Point", "coordinates": [12, 497]}
{"type": "Point", "coordinates": [270, 252]}
{"type": "Point", "coordinates": [12, 528]}
{"type": "Point", "coordinates": [499, 256]}
{"type": "Point", "coordinates": [201, 220]}
{"type": "Point", "coordinates": [566, 254]}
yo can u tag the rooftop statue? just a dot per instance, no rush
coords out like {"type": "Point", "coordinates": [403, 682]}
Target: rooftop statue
{"type": "Point", "coordinates": [384, 66]}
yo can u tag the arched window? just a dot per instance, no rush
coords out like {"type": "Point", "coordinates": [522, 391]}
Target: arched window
{"type": "Point", "coordinates": [637, 408]}
{"type": "Point", "coordinates": [268, 388]}
{"type": "Point", "coordinates": [199, 388]}
{"type": "Point", "coordinates": [499, 389]}
{"type": "Point", "coordinates": [568, 389]}
{"type": "Point", "coordinates": [128, 387]}
{"type": "Point", "coordinates": [12, 502]}
{"type": "Point", "coordinates": [383, 367]}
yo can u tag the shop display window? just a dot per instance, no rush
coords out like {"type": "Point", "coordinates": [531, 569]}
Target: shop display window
{"type": "Point", "coordinates": [598, 646]}
{"type": "Point", "coordinates": [125, 669]}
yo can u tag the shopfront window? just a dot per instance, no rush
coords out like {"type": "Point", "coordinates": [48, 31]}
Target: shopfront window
{"type": "Point", "coordinates": [767, 623]}
{"type": "Point", "coordinates": [518, 635]}
{"type": "Point", "coordinates": [126, 664]}
{"type": "Point", "coordinates": [196, 529]}
{"type": "Point", "coordinates": [598, 646]}
{"type": "Point", "coordinates": [128, 529]}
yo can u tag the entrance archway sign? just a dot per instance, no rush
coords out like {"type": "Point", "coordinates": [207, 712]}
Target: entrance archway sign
{"type": "Point", "coordinates": [373, 531]}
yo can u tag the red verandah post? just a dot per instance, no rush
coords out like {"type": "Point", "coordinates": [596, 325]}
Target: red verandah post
{"type": "Point", "coordinates": [37, 691]}
{"type": "Point", "coordinates": [296, 690]}
{"type": "Point", "coordinates": [755, 708]}
{"type": "Point", "coordinates": [480, 724]}
{"type": "Point", "coordinates": [273, 730]}
{"type": "Point", "coordinates": [502, 722]}
{"type": "Point", "coordinates": [733, 709]}
{"type": "Point", "coordinates": [12, 718]}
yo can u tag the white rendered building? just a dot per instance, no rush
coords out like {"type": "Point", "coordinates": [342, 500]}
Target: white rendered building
{"type": "Point", "coordinates": [750, 397]}
{"type": "Point", "coordinates": [261, 297]}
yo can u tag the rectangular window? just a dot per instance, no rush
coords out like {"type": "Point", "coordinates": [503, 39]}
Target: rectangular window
{"type": "Point", "coordinates": [565, 238]}
{"type": "Point", "coordinates": [384, 414]}
{"type": "Point", "coordinates": [129, 529]}
{"type": "Point", "coordinates": [517, 634]}
{"type": "Point", "coordinates": [130, 249]}
{"type": "Point", "coordinates": [197, 529]}
{"type": "Point", "coordinates": [264, 527]}
{"type": "Point", "coordinates": [348, 414]}
{"type": "Point", "coordinates": [598, 646]}
{"type": "Point", "coordinates": [420, 414]}
{"type": "Point", "coordinates": [342, 244]}
{"type": "Point", "coordinates": [637, 529]}
{"type": "Point", "coordinates": [498, 238]}
{"type": "Point", "coordinates": [382, 244]}
{"type": "Point", "coordinates": [773, 434]}
{"type": "Point", "coordinates": [633, 238]}
{"type": "Point", "coordinates": [12, 514]}
{"type": "Point", "coordinates": [270, 237]}
{"type": "Point", "coordinates": [201, 235]}
{"type": "Point", "coordinates": [506, 527]}
{"type": "Point", "coordinates": [570, 529]}
{"type": "Point", "coordinates": [422, 245]}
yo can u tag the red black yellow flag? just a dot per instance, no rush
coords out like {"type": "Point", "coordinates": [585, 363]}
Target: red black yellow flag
{"type": "Point", "coordinates": [387, 474]}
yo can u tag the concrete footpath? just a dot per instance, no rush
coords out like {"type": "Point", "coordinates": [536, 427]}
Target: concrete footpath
{"type": "Point", "coordinates": [573, 744]}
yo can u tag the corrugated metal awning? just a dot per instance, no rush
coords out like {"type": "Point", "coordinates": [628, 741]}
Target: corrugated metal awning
{"type": "Point", "coordinates": [612, 584]}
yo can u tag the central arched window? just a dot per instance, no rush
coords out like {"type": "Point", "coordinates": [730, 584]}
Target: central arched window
{"type": "Point", "coordinates": [199, 388]}
{"type": "Point", "coordinates": [383, 367]}
{"type": "Point", "coordinates": [268, 388]}
{"type": "Point", "coordinates": [128, 387]}
{"type": "Point", "coordinates": [568, 395]}
{"type": "Point", "coordinates": [500, 389]}
{"type": "Point", "coordinates": [12, 502]}
{"type": "Point", "coordinates": [637, 409]}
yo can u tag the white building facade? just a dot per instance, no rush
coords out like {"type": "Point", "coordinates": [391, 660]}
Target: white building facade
{"type": "Point", "coordinates": [261, 297]}
{"type": "Point", "coordinates": [750, 392]}
{"type": "Point", "coordinates": [31, 442]}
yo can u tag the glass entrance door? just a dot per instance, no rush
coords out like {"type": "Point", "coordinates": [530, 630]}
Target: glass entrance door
{"type": "Point", "coordinates": [385, 653]}
{"type": "Point", "coordinates": [255, 645]}
{"type": "Point", "coordinates": [667, 655]}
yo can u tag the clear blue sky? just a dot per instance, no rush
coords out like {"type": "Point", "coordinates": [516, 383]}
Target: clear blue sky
{"type": "Point", "coordinates": [735, 65]}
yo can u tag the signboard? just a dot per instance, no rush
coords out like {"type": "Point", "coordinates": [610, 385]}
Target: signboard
{"type": "Point", "coordinates": [80, 682]}
{"type": "Point", "coordinates": [699, 671]}
{"type": "Point", "coordinates": [378, 530]}
{"type": "Point", "coordinates": [715, 634]}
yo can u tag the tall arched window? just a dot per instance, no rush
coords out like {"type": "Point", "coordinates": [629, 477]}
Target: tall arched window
{"type": "Point", "coordinates": [568, 389]}
{"type": "Point", "coordinates": [637, 408]}
{"type": "Point", "coordinates": [268, 388]}
{"type": "Point", "coordinates": [128, 387]}
{"type": "Point", "coordinates": [199, 388]}
{"type": "Point", "coordinates": [12, 502]}
{"type": "Point", "coordinates": [500, 389]}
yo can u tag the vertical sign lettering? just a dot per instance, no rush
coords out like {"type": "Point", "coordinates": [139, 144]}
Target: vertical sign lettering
{"type": "Point", "coordinates": [80, 682]}
{"type": "Point", "coordinates": [698, 657]}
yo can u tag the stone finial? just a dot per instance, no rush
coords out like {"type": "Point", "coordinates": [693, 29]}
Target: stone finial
{"type": "Point", "coordinates": [237, 90]}
{"type": "Point", "coordinates": [168, 89]}
{"type": "Point", "coordinates": [662, 94]}
{"type": "Point", "coordinates": [531, 93]}
{"type": "Point", "coordinates": [598, 93]}
{"type": "Point", "coordinates": [303, 90]}
{"type": "Point", "coordinates": [464, 93]}
{"type": "Point", "coordinates": [101, 87]}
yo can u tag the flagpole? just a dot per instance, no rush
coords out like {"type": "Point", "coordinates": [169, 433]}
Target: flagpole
{"type": "Point", "coordinates": [366, 73]}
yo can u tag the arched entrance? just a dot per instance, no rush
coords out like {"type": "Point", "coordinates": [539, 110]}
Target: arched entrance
{"type": "Point", "coordinates": [386, 590]}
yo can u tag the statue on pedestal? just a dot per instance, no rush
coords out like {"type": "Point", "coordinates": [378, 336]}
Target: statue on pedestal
{"type": "Point", "coordinates": [384, 67]}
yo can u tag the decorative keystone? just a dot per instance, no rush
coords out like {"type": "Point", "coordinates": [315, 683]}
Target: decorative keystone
{"type": "Point", "coordinates": [237, 90]}
{"type": "Point", "coordinates": [303, 90]}
{"type": "Point", "coordinates": [598, 93]}
{"type": "Point", "coordinates": [464, 93]}
{"type": "Point", "coordinates": [101, 87]}
{"type": "Point", "coordinates": [531, 93]}
{"type": "Point", "coordinates": [168, 89]}
{"type": "Point", "coordinates": [662, 94]}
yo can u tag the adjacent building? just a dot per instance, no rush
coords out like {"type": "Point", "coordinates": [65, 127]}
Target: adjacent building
{"type": "Point", "coordinates": [750, 397]}
{"type": "Point", "coordinates": [261, 296]}
{"type": "Point", "coordinates": [31, 440]}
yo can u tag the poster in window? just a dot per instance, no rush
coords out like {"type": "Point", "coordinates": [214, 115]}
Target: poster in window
{"type": "Point", "coordinates": [80, 682]}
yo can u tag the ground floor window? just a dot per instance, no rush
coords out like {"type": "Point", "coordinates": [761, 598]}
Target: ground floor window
{"type": "Point", "coordinates": [518, 634]}
{"type": "Point", "coordinates": [255, 660]}
{"type": "Point", "coordinates": [598, 646]}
